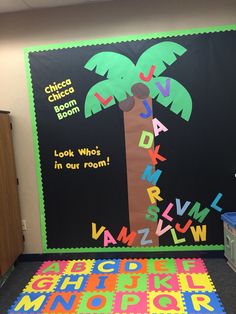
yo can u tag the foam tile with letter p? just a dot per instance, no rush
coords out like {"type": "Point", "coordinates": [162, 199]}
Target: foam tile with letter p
{"type": "Point", "coordinates": [130, 302]}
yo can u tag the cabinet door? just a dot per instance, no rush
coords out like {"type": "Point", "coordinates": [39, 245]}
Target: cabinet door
{"type": "Point", "coordinates": [11, 239]}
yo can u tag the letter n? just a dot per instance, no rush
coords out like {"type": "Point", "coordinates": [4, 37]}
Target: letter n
{"type": "Point", "coordinates": [60, 301]}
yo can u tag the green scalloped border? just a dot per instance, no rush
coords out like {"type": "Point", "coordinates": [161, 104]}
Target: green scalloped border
{"type": "Point", "coordinates": [104, 41]}
{"type": "Point", "coordinates": [37, 155]}
{"type": "Point", "coordinates": [172, 248]}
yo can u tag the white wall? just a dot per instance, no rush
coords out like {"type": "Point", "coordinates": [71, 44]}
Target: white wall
{"type": "Point", "coordinates": [41, 27]}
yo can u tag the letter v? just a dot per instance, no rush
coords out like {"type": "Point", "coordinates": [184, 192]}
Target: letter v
{"type": "Point", "coordinates": [96, 234]}
{"type": "Point", "coordinates": [181, 211]}
{"type": "Point", "coordinates": [159, 230]}
{"type": "Point", "coordinates": [164, 90]}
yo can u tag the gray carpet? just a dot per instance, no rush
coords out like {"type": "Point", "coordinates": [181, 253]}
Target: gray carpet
{"type": "Point", "coordinates": [18, 279]}
{"type": "Point", "coordinates": [223, 277]}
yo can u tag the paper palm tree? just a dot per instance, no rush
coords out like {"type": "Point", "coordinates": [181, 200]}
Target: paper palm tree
{"type": "Point", "coordinates": [125, 84]}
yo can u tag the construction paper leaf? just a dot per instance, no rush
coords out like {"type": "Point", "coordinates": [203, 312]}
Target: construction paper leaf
{"type": "Point", "coordinates": [105, 89]}
{"type": "Point", "coordinates": [154, 91]}
{"type": "Point", "coordinates": [129, 80]}
{"type": "Point", "coordinates": [110, 64]}
{"type": "Point", "coordinates": [159, 55]}
{"type": "Point", "coordinates": [179, 99]}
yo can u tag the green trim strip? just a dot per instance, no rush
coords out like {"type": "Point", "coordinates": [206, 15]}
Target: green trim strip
{"type": "Point", "coordinates": [37, 155]}
{"type": "Point", "coordinates": [103, 41]}
{"type": "Point", "coordinates": [140, 249]}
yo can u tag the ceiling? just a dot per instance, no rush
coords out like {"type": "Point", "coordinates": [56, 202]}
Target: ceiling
{"type": "Point", "coordinates": [22, 5]}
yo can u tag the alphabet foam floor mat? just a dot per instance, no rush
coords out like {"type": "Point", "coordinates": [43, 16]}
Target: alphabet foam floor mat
{"type": "Point", "coordinates": [120, 286]}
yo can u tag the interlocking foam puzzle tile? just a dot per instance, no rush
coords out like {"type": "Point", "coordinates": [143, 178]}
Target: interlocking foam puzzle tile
{"type": "Point", "coordinates": [43, 283]}
{"type": "Point", "coordinates": [79, 267]}
{"type": "Point", "coordinates": [133, 265]}
{"type": "Point", "coordinates": [120, 286]}
{"type": "Point", "coordinates": [190, 265]}
{"type": "Point", "coordinates": [52, 268]}
{"type": "Point", "coordinates": [161, 266]}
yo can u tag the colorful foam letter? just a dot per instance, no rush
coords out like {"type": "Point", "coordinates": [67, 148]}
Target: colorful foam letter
{"type": "Point", "coordinates": [30, 303]}
{"type": "Point", "coordinates": [129, 239]}
{"type": "Point", "coordinates": [72, 282]}
{"type": "Point", "coordinates": [151, 177]}
{"type": "Point", "coordinates": [43, 283]}
{"type": "Point", "coordinates": [199, 233]}
{"type": "Point", "coordinates": [201, 301]}
{"type": "Point", "coordinates": [152, 213]}
{"type": "Point", "coordinates": [78, 267]}
{"type": "Point", "coordinates": [188, 264]}
{"type": "Point", "coordinates": [107, 266]}
{"type": "Point", "coordinates": [102, 100]}
{"type": "Point", "coordinates": [155, 156]}
{"type": "Point", "coordinates": [159, 230]}
{"type": "Point", "coordinates": [185, 228]}
{"type": "Point", "coordinates": [101, 284]}
{"type": "Point", "coordinates": [198, 215]}
{"type": "Point", "coordinates": [148, 112]}
{"type": "Point", "coordinates": [150, 74]}
{"type": "Point", "coordinates": [60, 301]}
{"type": "Point", "coordinates": [166, 212]}
{"type": "Point", "coordinates": [108, 238]}
{"type": "Point", "coordinates": [174, 236]}
{"type": "Point", "coordinates": [146, 139]}
{"type": "Point", "coordinates": [181, 210]}
{"type": "Point", "coordinates": [96, 302]}
{"type": "Point", "coordinates": [154, 194]}
{"type": "Point", "coordinates": [134, 282]}
{"type": "Point", "coordinates": [166, 302]}
{"type": "Point", "coordinates": [215, 202]}
{"type": "Point", "coordinates": [145, 233]}
{"type": "Point", "coordinates": [132, 266]}
{"type": "Point", "coordinates": [164, 90]}
{"type": "Point", "coordinates": [129, 300]}
{"type": "Point", "coordinates": [96, 234]}
{"type": "Point", "coordinates": [158, 127]}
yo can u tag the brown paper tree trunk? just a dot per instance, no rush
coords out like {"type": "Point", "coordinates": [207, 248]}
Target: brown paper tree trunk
{"type": "Point", "coordinates": [137, 159]}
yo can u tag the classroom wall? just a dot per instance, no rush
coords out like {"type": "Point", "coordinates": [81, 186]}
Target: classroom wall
{"type": "Point", "coordinates": [64, 24]}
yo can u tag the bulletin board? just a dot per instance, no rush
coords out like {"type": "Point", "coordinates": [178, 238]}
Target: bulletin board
{"type": "Point", "coordinates": [134, 140]}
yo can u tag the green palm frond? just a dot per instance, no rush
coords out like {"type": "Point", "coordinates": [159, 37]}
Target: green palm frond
{"type": "Point", "coordinates": [122, 74]}
{"type": "Point", "coordinates": [105, 88]}
{"type": "Point", "coordinates": [159, 55]}
{"type": "Point", "coordinates": [111, 64]}
{"type": "Point", "coordinates": [179, 99]}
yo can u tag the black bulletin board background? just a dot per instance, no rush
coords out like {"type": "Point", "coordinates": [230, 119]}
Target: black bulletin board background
{"type": "Point", "coordinates": [201, 153]}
